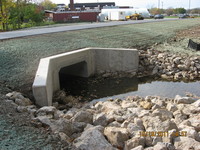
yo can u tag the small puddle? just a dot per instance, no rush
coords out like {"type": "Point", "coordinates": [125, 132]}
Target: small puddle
{"type": "Point", "coordinates": [106, 88]}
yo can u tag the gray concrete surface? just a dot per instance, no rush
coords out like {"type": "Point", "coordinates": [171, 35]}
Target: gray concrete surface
{"type": "Point", "coordinates": [97, 59]}
{"type": "Point", "coordinates": [31, 32]}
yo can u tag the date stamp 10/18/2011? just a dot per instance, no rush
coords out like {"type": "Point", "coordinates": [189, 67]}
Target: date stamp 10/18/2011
{"type": "Point", "coordinates": [162, 133]}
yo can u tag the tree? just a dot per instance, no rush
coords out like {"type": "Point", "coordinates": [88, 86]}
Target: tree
{"type": "Point", "coordinates": [155, 11]}
{"type": "Point", "coordinates": [169, 11]}
{"type": "Point", "coordinates": [47, 5]}
{"type": "Point", "coordinates": [26, 12]}
{"type": "Point", "coordinates": [195, 11]}
{"type": "Point", "coordinates": [180, 11]}
{"type": "Point", "coordinates": [5, 7]}
{"type": "Point", "coordinates": [16, 12]}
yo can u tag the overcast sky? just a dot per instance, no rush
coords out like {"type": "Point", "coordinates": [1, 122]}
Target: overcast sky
{"type": "Point", "coordinates": [142, 3]}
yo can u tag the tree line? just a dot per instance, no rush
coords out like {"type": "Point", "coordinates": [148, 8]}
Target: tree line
{"type": "Point", "coordinates": [15, 13]}
{"type": "Point", "coordinates": [171, 11]}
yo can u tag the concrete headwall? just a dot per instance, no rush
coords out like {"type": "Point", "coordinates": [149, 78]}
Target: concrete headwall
{"type": "Point", "coordinates": [97, 59]}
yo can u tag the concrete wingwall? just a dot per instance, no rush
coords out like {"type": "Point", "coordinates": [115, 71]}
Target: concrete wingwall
{"type": "Point", "coordinates": [97, 59]}
{"type": "Point", "coordinates": [112, 59]}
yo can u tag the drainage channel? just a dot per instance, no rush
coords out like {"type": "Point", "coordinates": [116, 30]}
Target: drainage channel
{"type": "Point", "coordinates": [99, 89]}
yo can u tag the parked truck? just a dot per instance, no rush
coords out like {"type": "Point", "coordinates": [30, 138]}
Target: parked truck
{"type": "Point", "coordinates": [135, 16]}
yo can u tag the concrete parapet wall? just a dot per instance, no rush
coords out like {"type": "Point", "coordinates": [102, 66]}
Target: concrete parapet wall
{"type": "Point", "coordinates": [97, 59]}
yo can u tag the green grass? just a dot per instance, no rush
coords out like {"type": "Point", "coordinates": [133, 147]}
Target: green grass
{"type": "Point", "coordinates": [171, 16]}
{"type": "Point", "coordinates": [29, 25]}
{"type": "Point", "coordinates": [20, 57]}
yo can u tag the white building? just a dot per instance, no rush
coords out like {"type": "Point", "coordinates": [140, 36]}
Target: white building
{"type": "Point", "coordinates": [128, 11]}
{"type": "Point", "coordinates": [61, 7]}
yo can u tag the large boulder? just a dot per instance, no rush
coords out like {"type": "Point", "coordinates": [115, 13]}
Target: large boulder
{"type": "Point", "coordinates": [196, 103]}
{"type": "Point", "coordinates": [163, 114]}
{"type": "Point", "coordinates": [159, 102]}
{"type": "Point", "coordinates": [186, 143]}
{"type": "Point", "coordinates": [128, 104]}
{"type": "Point", "coordinates": [116, 136]}
{"type": "Point", "coordinates": [156, 124]}
{"type": "Point", "coordinates": [179, 116]}
{"type": "Point", "coordinates": [144, 113]}
{"type": "Point", "coordinates": [19, 99]}
{"type": "Point", "coordinates": [160, 146]}
{"type": "Point", "coordinates": [171, 107]}
{"type": "Point", "coordinates": [70, 113]}
{"type": "Point", "coordinates": [44, 120]}
{"type": "Point", "coordinates": [195, 122]}
{"type": "Point", "coordinates": [83, 116]}
{"type": "Point", "coordinates": [134, 129]}
{"type": "Point", "coordinates": [114, 124]}
{"type": "Point", "coordinates": [188, 109]}
{"type": "Point", "coordinates": [107, 106]}
{"type": "Point", "coordinates": [164, 146]}
{"type": "Point", "coordinates": [135, 112]}
{"type": "Point", "coordinates": [100, 119]}
{"type": "Point", "coordinates": [92, 139]}
{"type": "Point", "coordinates": [191, 133]}
{"type": "Point", "coordinates": [134, 142]}
{"type": "Point", "coordinates": [23, 102]}
{"type": "Point", "coordinates": [62, 125]}
{"type": "Point", "coordinates": [149, 148]}
{"type": "Point", "coordinates": [48, 111]}
{"type": "Point", "coordinates": [138, 148]}
{"type": "Point", "coordinates": [14, 95]}
{"type": "Point", "coordinates": [183, 100]}
{"type": "Point", "coordinates": [146, 105]}
{"type": "Point", "coordinates": [152, 140]}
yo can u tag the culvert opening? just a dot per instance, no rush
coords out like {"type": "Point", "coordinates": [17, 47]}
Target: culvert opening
{"type": "Point", "coordinates": [68, 73]}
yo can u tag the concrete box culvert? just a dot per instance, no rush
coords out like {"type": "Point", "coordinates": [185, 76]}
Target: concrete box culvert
{"type": "Point", "coordinates": [84, 62]}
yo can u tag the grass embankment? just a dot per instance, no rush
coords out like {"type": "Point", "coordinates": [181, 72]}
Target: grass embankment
{"type": "Point", "coordinates": [26, 25]}
{"type": "Point", "coordinates": [20, 57]}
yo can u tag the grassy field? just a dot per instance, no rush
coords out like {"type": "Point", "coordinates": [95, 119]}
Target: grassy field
{"type": "Point", "coordinates": [20, 57]}
{"type": "Point", "coordinates": [171, 16]}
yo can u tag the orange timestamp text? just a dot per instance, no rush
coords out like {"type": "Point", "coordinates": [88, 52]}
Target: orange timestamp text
{"type": "Point", "coordinates": [162, 133]}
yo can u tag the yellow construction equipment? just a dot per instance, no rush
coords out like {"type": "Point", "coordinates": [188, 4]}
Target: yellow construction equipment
{"type": "Point", "coordinates": [135, 16]}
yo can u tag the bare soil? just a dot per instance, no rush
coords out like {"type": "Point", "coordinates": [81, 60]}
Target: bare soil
{"type": "Point", "coordinates": [179, 43]}
{"type": "Point", "coordinates": [189, 33]}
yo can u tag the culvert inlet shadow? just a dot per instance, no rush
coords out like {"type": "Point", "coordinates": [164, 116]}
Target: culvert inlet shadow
{"type": "Point", "coordinates": [97, 87]}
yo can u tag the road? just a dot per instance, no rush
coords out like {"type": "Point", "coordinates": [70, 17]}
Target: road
{"type": "Point", "coordinates": [31, 32]}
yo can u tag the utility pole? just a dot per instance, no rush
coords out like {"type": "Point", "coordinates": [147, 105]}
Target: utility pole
{"type": "Point", "coordinates": [158, 4]}
{"type": "Point", "coordinates": [162, 4]}
{"type": "Point", "coordinates": [189, 6]}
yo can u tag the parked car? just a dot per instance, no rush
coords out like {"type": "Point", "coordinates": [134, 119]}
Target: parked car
{"type": "Point", "coordinates": [151, 16]}
{"type": "Point", "coordinates": [182, 16]}
{"type": "Point", "coordinates": [158, 16]}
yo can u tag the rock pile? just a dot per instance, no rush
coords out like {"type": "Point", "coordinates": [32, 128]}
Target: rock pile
{"type": "Point", "coordinates": [169, 66]}
{"type": "Point", "coordinates": [136, 123]}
